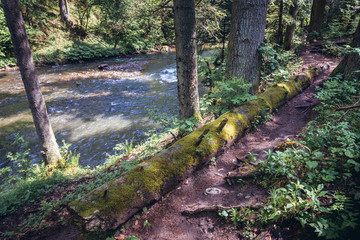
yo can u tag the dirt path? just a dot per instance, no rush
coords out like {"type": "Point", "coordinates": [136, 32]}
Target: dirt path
{"type": "Point", "coordinates": [167, 217]}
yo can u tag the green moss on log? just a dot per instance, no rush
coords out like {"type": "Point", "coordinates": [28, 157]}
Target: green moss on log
{"type": "Point", "coordinates": [113, 203]}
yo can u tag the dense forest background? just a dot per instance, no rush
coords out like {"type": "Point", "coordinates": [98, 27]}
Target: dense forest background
{"type": "Point", "coordinates": [95, 28]}
{"type": "Point", "coordinates": [312, 185]}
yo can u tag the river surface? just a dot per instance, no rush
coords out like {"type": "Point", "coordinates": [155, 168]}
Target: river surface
{"type": "Point", "coordinates": [92, 110]}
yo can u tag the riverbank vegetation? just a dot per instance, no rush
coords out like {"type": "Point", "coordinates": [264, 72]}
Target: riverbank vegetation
{"type": "Point", "coordinates": [313, 181]}
{"type": "Point", "coordinates": [314, 184]}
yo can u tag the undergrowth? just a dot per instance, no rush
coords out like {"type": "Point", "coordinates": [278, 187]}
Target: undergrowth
{"type": "Point", "coordinates": [29, 185]}
{"type": "Point", "coordinates": [277, 64]}
{"type": "Point", "coordinates": [315, 182]}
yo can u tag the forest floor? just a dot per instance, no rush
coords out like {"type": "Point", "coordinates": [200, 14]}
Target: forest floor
{"type": "Point", "coordinates": [188, 212]}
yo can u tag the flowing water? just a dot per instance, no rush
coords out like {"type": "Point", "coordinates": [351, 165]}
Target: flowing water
{"type": "Point", "coordinates": [91, 109]}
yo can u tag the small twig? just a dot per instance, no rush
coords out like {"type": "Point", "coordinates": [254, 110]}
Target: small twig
{"type": "Point", "coordinates": [174, 136]}
{"type": "Point", "coordinates": [347, 111]}
{"type": "Point", "coordinates": [347, 107]}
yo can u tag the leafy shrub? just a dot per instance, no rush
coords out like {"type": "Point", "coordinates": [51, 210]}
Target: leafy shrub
{"type": "Point", "coordinates": [277, 64]}
{"type": "Point", "coordinates": [83, 52]}
{"type": "Point", "coordinates": [212, 69]}
{"type": "Point", "coordinates": [227, 95]}
{"type": "Point", "coordinates": [327, 159]}
{"type": "Point", "coordinates": [19, 167]}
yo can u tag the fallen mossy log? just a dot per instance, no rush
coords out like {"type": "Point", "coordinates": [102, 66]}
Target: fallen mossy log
{"type": "Point", "coordinates": [116, 201]}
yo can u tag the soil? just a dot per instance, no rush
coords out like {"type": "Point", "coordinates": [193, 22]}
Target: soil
{"type": "Point", "coordinates": [190, 211]}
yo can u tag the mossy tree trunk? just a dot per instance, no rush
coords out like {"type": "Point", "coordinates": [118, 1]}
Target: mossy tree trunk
{"type": "Point", "coordinates": [186, 58]}
{"type": "Point", "coordinates": [316, 19]}
{"type": "Point", "coordinates": [351, 61]}
{"type": "Point", "coordinates": [246, 34]}
{"type": "Point", "coordinates": [14, 20]}
{"type": "Point", "coordinates": [290, 29]}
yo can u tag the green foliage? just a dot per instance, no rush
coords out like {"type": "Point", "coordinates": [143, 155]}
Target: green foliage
{"type": "Point", "coordinates": [169, 123]}
{"type": "Point", "coordinates": [187, 126]}
{"type": "Point", "coordinates": [331, 49]}
{"type": "Point", "coordinates": [212, 69]}
{"type": "Point", "coordinates": [81, 51]}
{"type": "Point", "coordinates": [243, 217]}
{"type": "Point", "coordinates": [340, 19]}
{"type": "Point", "coordinates": [70, 158]}
{"type": "Point", "coordinates": [213, 161]}
{"type": "Point", "coordinates": [227, 95]}
{"type": "Point", "coordinates": [6, 48]}
{"type": "Point", "coordinates": [264, 116]}
{"type": "Point", "coordinates": [19, 167]}
{"type": "Point", "coordinates": [131, 238]}
{"type": "Point", "coordinates": [327, 159]}
{"type": "Point", "coordinates": [146, 223]}
{"type": "Point", "coordinates": [277, 65]}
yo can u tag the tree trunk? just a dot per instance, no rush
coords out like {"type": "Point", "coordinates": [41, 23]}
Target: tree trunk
{"type": "Point", "coordinates": [186, 58]}
{"type": "Point", "coordinates": [290, 29]}
{"type": "Point", "coordinates": [280, 26]}
{"type": "Point", "coordinates": [351, 61]}
{"type": "Point", "coordinates": [67, 8]}
{"type": "Point", "coordinates": [63, 13]}
{"type": "Point", "coordinates": [246, 34]}
{"type": "Point", "coordinates": [50, 150]}
{"type": "Point", "coordinates": [316, 18]}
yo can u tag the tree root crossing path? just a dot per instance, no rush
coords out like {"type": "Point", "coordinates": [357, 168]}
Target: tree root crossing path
{"type": "Point", "coordinates": [191, 210]}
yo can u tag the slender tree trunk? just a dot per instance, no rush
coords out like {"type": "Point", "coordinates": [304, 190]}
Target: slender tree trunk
{"type": "Point", "coordinates": [63, 14]}
{"type": "Point", "coordinates": [351, 61]}
{"type": "Point", "coordinates": [246, 34]}
{"type": "Point", "coordinates": [67, 8]}
{"type": "Point", "coordinates": [50, 150]}
{"type": "Point", "coordinates": [290, 29]}
{"type": "Point", "coordinates": [280, 26]}
{"type": "Point", "coordinates": [316, 18]}
{"type": "Point", "coordinates": [186, 58]}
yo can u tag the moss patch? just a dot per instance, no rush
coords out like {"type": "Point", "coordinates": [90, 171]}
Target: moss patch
{"type": "Point", "coordinates": [113, 203]}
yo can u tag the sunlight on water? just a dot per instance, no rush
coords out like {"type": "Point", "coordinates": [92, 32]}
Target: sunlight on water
{"type": "Point", "coordinates": [91, 109]}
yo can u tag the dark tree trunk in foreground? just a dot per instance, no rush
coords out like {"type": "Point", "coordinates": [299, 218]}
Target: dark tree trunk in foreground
{"type": "Point", "coordinates": [351, 61]}
{"type": "Point", "coordinates": [246, 34]}
{"type": "Point", "coordinates": [186, 58]}
{"type": "Point", "coordinates": [50, 150]}
{"type": "Point", "coordinates": [280, 25]}
{"type": "Point", "coordinates": [316, 19]}
{"type": "Point", "coordinates": [290, 29]}
{"type": "Point", "coordinates": [63, 11]}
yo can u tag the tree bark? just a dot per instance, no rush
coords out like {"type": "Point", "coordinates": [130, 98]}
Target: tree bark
{"type": "Point", "coordinates": [246, 34]}
{"type": "Point", "coordinates": [290, 29]}
{"type": "Point", "coordinates": [316, 18]}
{"type": "Point", "coordinates": [67, 8]}
{"type": "Point", "coordinates": [63, 13]}
{"type": "Point", "coordinates": [50, 150]}
{"type": "Point", "coordinates": [186, 58]}
{"type": "Point", "coordinates": [280, 25]}
{"type": "Point", "coordinates": [351, 61]}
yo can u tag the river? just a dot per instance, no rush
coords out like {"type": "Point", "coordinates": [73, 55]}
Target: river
{"type": "Point", "coordinates": [92, 110]}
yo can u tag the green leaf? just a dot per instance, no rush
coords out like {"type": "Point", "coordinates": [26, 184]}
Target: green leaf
{"type": "Point", "coordinates": [311, 164]}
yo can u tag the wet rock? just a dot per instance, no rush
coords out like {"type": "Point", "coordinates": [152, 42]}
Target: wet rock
{"type": "Point", "coordinates": [103, 66]}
